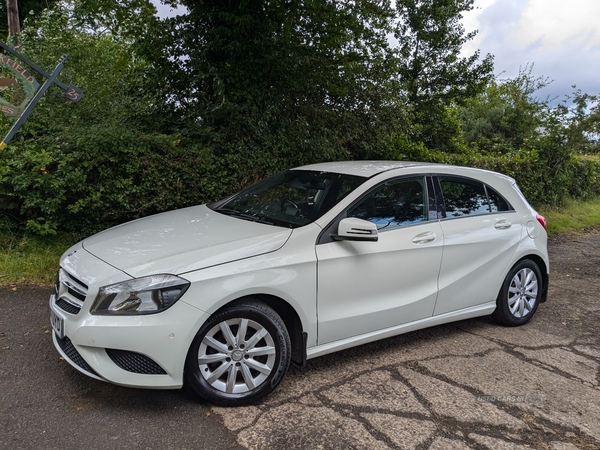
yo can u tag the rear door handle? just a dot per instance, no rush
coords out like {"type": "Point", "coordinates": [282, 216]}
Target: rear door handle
{"type": "Point", "coordinates": [502, 225]}
{"type": "Point", "coordinates": [424, 238]}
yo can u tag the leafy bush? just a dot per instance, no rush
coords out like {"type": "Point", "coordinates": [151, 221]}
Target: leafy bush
{"type": "Point", "coordinates": [546, 176]}
{"type": "Point", "coordinates": [87, 165]}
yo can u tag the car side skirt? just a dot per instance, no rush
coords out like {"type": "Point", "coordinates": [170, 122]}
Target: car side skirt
{"type": "Point", "coordinates": [467, 313]}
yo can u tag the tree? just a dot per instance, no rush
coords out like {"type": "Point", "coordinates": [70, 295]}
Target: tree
{"type": "Point", "coordinates": [189, 109]}
{"type": "Point", "coordinates": [272, 84]}
{"type": "Point", "coordinates": [431, 69]}
{"type": "Point", "coordinates": [129, 20]}
{"type": "Point", "coordinates": [509, 121]}
{"type": "Point", "coordinates": [300, 75]}
{"type": "Point", "coordinates": [578, 116]}
{"type": "Point", "coordinates": [506, 114]}
{"type": "Point", "coordinates": [27, 9]}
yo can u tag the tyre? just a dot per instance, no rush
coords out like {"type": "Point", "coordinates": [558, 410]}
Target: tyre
{"type": "Point", "coordinates": [520, 294]}
{"type": "Point", "coordinates": [239, 355]}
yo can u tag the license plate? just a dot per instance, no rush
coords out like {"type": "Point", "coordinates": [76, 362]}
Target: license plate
{"type": "Point", "coordinates": [58, 324]}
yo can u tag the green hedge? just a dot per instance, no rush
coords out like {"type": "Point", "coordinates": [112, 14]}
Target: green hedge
{"type": "Point", "coordinates": [544, 180]}
{"type": "Point", "coordinates": [109, 177]}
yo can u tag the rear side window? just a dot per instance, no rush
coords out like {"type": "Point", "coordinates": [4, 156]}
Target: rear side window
{"type": "Point", "coordinates": [463, 197]}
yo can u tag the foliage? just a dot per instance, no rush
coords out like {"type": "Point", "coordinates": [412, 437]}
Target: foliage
{"type": "Point", "coordinates": [97, 162]}
{"type": "Point", "coordinates": [28, 10]}
{"type": "Point", "coordinates": [544, 178]}
{"type": "Point", "coordinates": [267, 85]}
{"type": "Point", "coordinates": [576, 121]}
{"type": "Point", "coordinates": [507, 121]}
{"type": "Point", "coordinates": [128, 20]}
{"type": "Point", "coordinates": [505, 115]}
{"type": "Point", "coordinates": [187, 110]}
{"type": "Point", "coordinates": [431, 69]}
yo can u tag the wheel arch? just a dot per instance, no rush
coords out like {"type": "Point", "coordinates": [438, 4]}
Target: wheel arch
{"type": "Point", "coordinates": [539, 261]}
{"type": "Point", "coordinates": [290, 318]}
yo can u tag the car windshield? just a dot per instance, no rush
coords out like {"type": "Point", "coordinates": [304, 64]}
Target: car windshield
{"type": "Point", "coordinates": [290, 199]}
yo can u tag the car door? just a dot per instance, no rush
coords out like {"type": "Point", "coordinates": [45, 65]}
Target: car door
{"type": "Point", "coordinates": [481, 234]}
{"type": "Point", "coordinates": [369, 286]}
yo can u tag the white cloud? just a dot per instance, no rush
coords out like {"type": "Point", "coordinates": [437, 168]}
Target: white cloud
{"type": "Point", "coordinates": [471, 18]}
{"type": "Point", "coordinates": [560, 37]}
{"type": "Point", "coordinates": [559, 23]}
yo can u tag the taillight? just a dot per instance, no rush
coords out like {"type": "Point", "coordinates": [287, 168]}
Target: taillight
{"type": "Point", "coordinates": [542, 220]}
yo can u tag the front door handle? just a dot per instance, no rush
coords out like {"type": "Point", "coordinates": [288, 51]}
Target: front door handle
{"type": "Point", "coordinates": [502, 224]}
{"type": "Point", "coordinates": [424, 238]}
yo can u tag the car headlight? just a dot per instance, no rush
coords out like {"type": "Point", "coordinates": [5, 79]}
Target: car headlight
{"type": "Point", "coordinates": [147, 295]}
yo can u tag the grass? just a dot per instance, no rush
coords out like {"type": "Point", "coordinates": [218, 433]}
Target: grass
{"type": "Point", "coordinates": [572, 216]}
{"type": "Point", "coordinates": [31, 259]}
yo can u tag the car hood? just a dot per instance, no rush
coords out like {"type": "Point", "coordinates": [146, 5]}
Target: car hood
{"type": "Point", "coordinates": [182, 241]}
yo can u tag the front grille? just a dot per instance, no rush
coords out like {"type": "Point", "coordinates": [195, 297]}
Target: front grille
{"type": "Point", "coordinates": [135, 362]}
{"type": "Point", "coordinates": [76, 280]}
{"type": "Point", "coordinates": [77, 294]}
{"type": "Point", "coordinates": [67, 306]}
{"type": "Point", "coordinates": [67, 347]}
{"type": "Point", "coordinates": [71, 289]}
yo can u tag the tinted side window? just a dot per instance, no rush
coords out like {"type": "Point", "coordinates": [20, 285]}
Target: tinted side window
{"type": "Point", "coordinates": [497, 202]}
{"type": "Point", "coordinates": [394, 204]}
{"type": "Point", "coordinates": [463, 197]}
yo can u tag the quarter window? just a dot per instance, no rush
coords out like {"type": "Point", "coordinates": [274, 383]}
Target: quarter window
{"type": "Point", "coordinates": [395, 204]}
{"type": "Point", "coordinates": [497, 202]}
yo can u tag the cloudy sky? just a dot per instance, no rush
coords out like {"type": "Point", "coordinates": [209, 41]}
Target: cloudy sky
{"type": "Point", "coordinates": [560, 37]}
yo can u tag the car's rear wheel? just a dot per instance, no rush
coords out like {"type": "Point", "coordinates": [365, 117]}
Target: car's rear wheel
{"type": "Point", "coordinates": [520, 294]}
{"type": "Point", "coordinates": [239, 355]}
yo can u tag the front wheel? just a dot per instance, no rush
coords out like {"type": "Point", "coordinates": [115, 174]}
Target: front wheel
{"type": "Point", "coordinates": [520, 294]}
{"type": "Point", "coordinates": [239, 355]}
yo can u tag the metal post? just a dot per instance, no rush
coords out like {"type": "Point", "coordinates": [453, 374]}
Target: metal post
{"type": "Point", "coordinates": [39, 94]}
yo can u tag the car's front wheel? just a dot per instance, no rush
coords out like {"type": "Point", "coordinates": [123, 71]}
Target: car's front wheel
{"type": "Point", "coordinates": [520, 294]}
{"type": "Point", "coordinates": [239, 355]}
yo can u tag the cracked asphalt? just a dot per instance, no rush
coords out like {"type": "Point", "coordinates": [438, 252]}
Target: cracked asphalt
{"type": "Point", "coordinates": [468, 385]}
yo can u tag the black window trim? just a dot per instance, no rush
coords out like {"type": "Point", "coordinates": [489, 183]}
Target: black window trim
{"type": "Point", "coordinates": [442, 205]}
{"type": "Point", "coordinates": [331, 228]}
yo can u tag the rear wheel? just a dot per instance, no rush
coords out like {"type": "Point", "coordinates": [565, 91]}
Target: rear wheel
{"type": "Point", "coordinates": [240, 355]}
{"type": "Point", "coordinates": [520, 294]}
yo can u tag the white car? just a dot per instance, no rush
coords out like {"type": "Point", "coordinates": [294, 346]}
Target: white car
{"type": "Point", "coordinates": [307, 262]}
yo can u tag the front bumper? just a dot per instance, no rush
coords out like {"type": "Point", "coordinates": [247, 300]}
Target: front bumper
{"type": "Point", "coordinates": [146, 351]}
{"type": "Point", "coordinates": [136, 351]}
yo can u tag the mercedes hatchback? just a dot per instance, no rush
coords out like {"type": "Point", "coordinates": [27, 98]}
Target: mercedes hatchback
{"type": "Point", "coordinates": [307, 262]}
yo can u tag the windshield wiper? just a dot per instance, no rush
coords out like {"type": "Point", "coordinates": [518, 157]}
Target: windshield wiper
{"type": "Point", "coordinates": [244, 216]}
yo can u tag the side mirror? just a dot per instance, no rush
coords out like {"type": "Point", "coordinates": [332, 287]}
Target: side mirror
{"type": "Point", "coordinates": [355, 229]}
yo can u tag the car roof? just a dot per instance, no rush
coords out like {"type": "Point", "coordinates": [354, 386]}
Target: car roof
{"type": "Point", "coordinates": [363, 168]}
{"type": "Point", "coordinates": [369, 169]}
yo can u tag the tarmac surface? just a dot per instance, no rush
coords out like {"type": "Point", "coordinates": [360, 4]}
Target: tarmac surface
{"type": "Point", "coordinates": [469, 385]}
